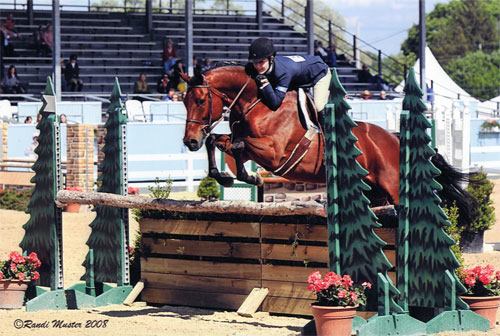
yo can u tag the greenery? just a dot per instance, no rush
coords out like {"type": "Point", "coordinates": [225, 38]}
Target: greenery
{"type": "Point", "coordinates": [159, 190]}
{"type": "Point", "coordinates": [477, 72]}
{"type": "Point", "coordinates": [454, 231]}
{"type": "Point", "coordinates": [15, 200]}
{"type": "Point", "coordinates": [391, 67]}
{"type": "Point", "coordinates": [489, 124]}
{"type": "Point", "coordinates": [208, 189]}
{"type": "Point", "coordinates": [481, 188]}
{"type": "Point", "coordinates": [464, 37]}
{"type": "Point", "coordinates": [135, 259]}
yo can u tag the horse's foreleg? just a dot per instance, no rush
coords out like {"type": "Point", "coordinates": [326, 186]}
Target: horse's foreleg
{"type": "Point", "coordinates": [212, 141]}
{"type": "Point", "coordinates": [241, 173]}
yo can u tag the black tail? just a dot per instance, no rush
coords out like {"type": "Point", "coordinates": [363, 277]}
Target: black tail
{"type": "Point", "coordinates": [451, 179]}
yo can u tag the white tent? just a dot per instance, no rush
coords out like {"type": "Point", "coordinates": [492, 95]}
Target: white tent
{"type": "Point", "coordinates": [444, 86]}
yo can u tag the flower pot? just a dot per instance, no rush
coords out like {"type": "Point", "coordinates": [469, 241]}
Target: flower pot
{"type": "Point", "coordinates": [486, 306]}
{"type": "Point", "coordinates": [12, 293]}
{"type": "Point", "coordinates": [333, 320]}
{"type": "Point", "coordinates": [73, 207]}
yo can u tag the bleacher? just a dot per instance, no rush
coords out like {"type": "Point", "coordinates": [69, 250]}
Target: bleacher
{"type": "Point", "coordinates": [116, 44]}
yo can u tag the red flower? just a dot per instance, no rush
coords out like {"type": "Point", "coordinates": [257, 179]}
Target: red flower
{"type": "Point", "coordinates": [354, 296]}
{"type": "Point", "coordinates": [1, 275]}
{"type": "Point", "coordinates": [315, 276]}
{"type": "Point", "coordinates": [497, 275]}
{"type": "Point", "coordinates": [484, 279]}
{"type": "Point", "coordinates": [470, 281]}
{"type": "Point", "coordinates": [13, 267]}
{"type": "Point", "coordinates": [21, 276]}
{"type": "Point", "coordinates": [347, 281]}
{"type": "Point", "coordinates": [342, 293]}
{"type": "Point", "coordinates": [35, 276]}
{"type": "Point", "coordinates": [16, 257]}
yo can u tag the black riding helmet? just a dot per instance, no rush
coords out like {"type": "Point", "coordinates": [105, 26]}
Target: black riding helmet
{"type": "Point", "coordinates": [261, 48]}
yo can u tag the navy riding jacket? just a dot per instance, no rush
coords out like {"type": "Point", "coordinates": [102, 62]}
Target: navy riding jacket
{"type": "Point", "coordinates": [289, 73]}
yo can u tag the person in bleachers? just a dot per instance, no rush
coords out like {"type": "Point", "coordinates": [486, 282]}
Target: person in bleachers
{"type": "Point", "coordinates": [141, 86]}
{"type": "Point", "coordinates": [170, 95]}
{"type": "Point", "coordinates": [364, 75]}
{"type": "Point", "coordinates": [39, 42]}
{"type": "Point", "coordinates": [72, 74]}
{"type": "Point", "coordinates": [366, 95]}
{"type": "Point", "coordinates": [377, 82]}
{"type": "Point", "coordinates": [169, 56]}
{"type": "Point", "coordinates": [7, 35]}
{"type": "Point", "coordinates": [47, 37]}
{"type": "Point", "coordinates": [320, 51]}
{"type": "Point", "coordinates": [175, 78]}
{"type": "Point", "coordinates": [163, 84]}
{"type": "Point", "coordinates": [28, 120]}
{"type": "Point", "coordinates": [11, 83]}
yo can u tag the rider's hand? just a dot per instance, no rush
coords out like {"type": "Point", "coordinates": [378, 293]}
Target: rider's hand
{"type": "Point", "coordinates": [262, 81]}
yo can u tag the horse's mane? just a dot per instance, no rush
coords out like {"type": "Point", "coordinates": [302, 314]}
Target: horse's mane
{"type": "Point", "coordinates": [198, 80]}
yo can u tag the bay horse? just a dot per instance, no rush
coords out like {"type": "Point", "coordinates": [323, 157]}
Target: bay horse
{"type": "Point", "coordinates": [268, 138]}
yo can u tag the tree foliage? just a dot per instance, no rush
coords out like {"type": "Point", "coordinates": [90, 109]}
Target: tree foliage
{"type": "Point", "coordinates": [478, 74]}
{"type": "Point", "coordinates": [464, 37]}
{"type": "Point", "coordinates": [481, 190]}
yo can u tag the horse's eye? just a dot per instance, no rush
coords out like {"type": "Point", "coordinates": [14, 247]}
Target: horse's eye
{"type": "Point", "coordinates": [200, 102]}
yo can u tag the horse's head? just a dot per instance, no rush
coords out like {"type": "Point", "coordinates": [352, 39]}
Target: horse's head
{"type": "Point", "coordinates": [204, 107]}
{"type": "Point", "coordinates": [204, 103]}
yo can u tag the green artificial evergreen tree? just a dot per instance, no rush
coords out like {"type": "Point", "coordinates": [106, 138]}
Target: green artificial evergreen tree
{"type": "Point", "coordinates": [361, 254]}
{"type": "Point", "coordinates": [43, 229]}
{"type": "Point", "coordinates": [105, 238]}
{"type": "Point", "coordinates": [431, 254]}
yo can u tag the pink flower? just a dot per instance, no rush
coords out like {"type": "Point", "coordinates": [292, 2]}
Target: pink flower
{"type": "Point", "coordinates": [484, 279]}
{"type": "Point", "coordinates": [16, 257]}
{"type": "Point", "coordinates": [497, 275]}
{"type": "Point", "coordinates": [470, 281]}
{"type": "Point", "coordinates": [366, 285]}
{"type": "Point", "coordinates": [35, 276]}
{"type": "Point", "coordinates": [21, 276]}
{"type": "Point", "coordinates": [354, 297]}
{"type": "Point", "coordinates": [13, 267]}
{"type": "Point", "coordinates": [315, 276]}
{"type": "Point", "coordinates": [1, 275]}
{"type": "Point", "coordinates": [347, 281]}
{"type": "Point", "coordinates": [342, 293]}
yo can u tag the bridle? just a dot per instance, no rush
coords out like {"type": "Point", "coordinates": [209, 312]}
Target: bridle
{"type": "Point", "coordinates": [226, 110]}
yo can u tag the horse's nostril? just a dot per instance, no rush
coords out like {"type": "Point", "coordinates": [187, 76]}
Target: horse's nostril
{"type": "Point", "coordinates": [193, 142]}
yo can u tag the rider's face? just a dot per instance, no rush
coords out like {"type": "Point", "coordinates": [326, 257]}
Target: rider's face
{"type": "Point", "coordinates": [261, 65]}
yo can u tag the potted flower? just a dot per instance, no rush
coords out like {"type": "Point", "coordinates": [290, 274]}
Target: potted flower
{"type": "Point", "coordinates": [336, 304]}
{"type": "Point", "coordinates": [15, 275]}
{"type": "Point", "coordinates": [483, 291]}
{"type": "Point", "coordinates": [73, 207]}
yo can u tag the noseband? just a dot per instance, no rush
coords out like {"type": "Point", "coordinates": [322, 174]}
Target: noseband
{"type": "Point", "coordinates": [208, 127]}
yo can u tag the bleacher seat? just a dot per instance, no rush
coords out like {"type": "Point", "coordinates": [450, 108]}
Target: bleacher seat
{"type": "Point", "coordinates": [7, 110]}
{"type": "Point", "coordinates": [134, 110]}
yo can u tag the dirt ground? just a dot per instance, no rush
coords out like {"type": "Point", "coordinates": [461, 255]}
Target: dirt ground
{"type": "Point", "coordinates": [143, 320]}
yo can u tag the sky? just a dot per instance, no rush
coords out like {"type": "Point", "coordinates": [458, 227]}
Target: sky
{"type": "Point", "coordinates": [382, 23]}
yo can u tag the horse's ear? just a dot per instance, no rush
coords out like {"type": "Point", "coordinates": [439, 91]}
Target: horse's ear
{"type": "Point", "coordinates": [185, 77]}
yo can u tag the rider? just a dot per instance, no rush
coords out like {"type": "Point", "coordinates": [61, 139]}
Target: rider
{"type": "Point", "coordinates": [275, 75]}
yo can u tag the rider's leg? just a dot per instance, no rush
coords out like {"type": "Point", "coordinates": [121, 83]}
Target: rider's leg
{"type": "Point", "coordinates": [321, 91]}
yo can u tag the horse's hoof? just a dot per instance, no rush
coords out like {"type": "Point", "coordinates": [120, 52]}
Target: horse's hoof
{"type": "Point", "coordinates": [259, 181]}
{"type": "Point", "coordinates": [225, 181]}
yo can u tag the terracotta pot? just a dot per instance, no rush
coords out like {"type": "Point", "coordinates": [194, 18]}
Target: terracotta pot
{"type": "Point", "coordinates": [333, 320]}
{"type": "Point", "coordinates": [486, 306]}
{"type": "Point", "coordinates": [12, 293]}
{"type": "Point", "coordinates": [73, 207]}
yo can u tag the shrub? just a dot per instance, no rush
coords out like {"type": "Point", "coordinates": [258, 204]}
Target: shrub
{"type": "Point", "coordinates": [159, 190]}
{"type": "Point", "coordinates": [208, 189]}
{"type": "Point", "coordinates": [481, 188]}
{"type": "Point", "coordinates": [15, 200]}
{"type": "Point", "coordinates": [454, 231]}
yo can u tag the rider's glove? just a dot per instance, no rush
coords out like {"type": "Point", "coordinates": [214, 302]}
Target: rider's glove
{"type": "Point", "coordinates": [262, 81]}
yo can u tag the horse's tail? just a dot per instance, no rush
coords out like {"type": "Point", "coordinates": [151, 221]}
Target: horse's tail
{"type": "Point", "coordinates": [451, 180]}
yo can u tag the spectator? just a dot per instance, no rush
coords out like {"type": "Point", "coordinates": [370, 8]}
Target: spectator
{"type": "Point", "coordinates": [170, 95]}
{"type": "Point", "coordinates": [364, 75]}
{"type": "Point", "coordinates": [163, 84]}
{"type": "Point", "coordinates": [8, 34]}
{"type": "Point", "coordinates": [331, 56]}
{"type": "Point", "coordinates": [175, 78]}
{"type": "Point", "coordinates": [10, 25]}
{"type": "Point", "coordinates": [47, 36]}
{"type": "Point", "coordinates": [197, 66]}
{"type": "Point", "coordinates": [382, 95]}
{"type": "Point", "coordinates": [320, 51]}
{"type": "Point", "coordinates": [169, 56]}
{"type": "Point", "coordinates": [30, 150]}
{"type": "Point", "coordinates": [63, 119]}
{"type": "Point", "coordinates": [38, 117]}
{"type": "Point", "coordinates": [366, 95]}
{"type": "Point", "coordinates": [72, 75]}
{"type": "Point", "coordinates": [40, 38]}
{"type": "Point", "coordinates": [11, 83]}
{"type": "Point", "coordinates": [141, 86]}
{"type": "Point", "coordinates": [28, 120]}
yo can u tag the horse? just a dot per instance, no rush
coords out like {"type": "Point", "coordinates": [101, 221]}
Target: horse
{"type": "Point", "coordinates": [269, 138]}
